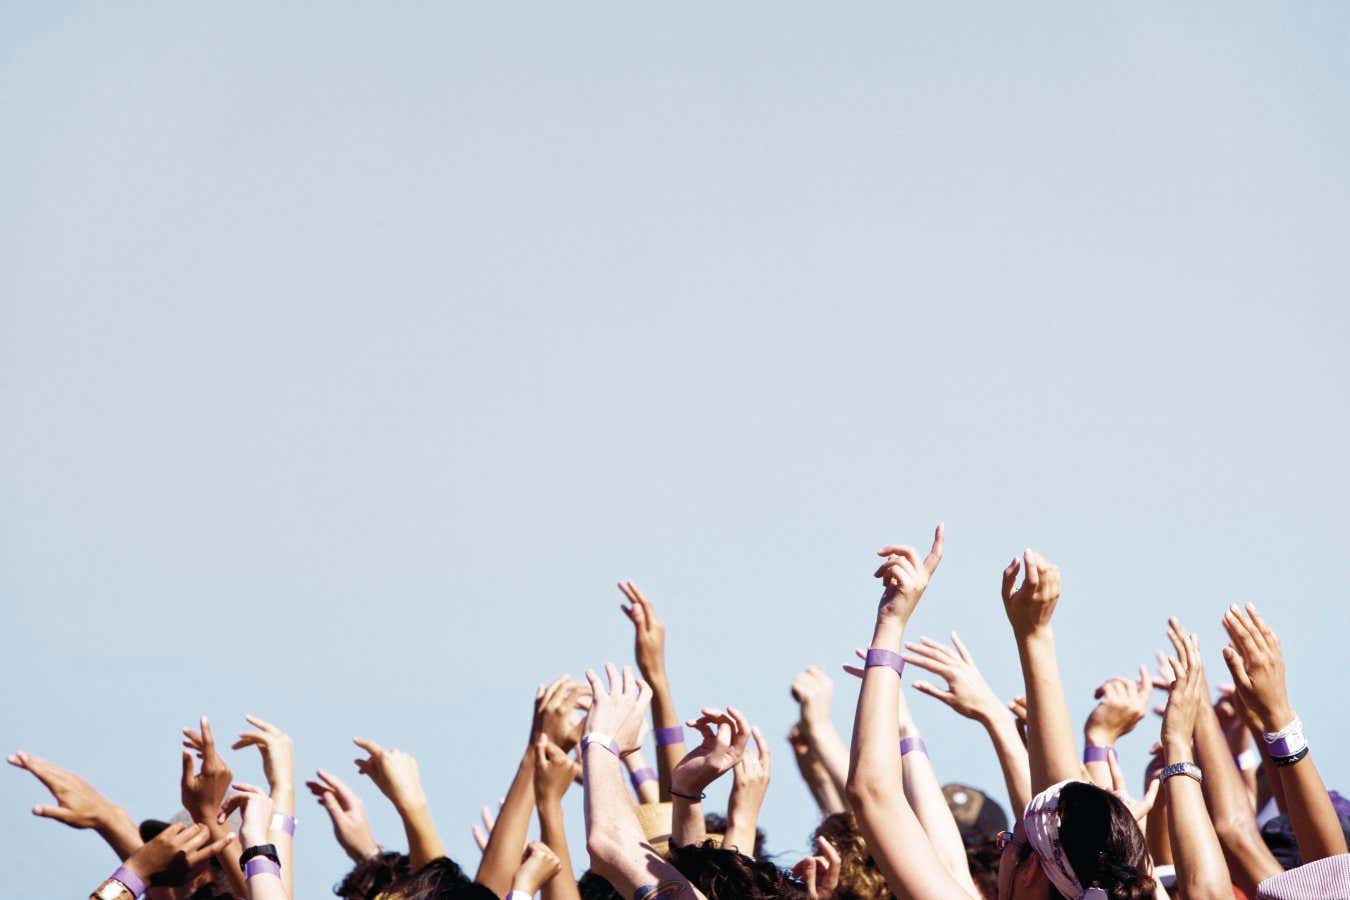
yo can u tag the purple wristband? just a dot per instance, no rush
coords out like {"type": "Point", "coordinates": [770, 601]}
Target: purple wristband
{"type": "Point", "coordinates": [640, 777]}
{"type": "Point", "coordinates": [910, 745]}
{"type": "Point", "coordinates": [1098, 754]}
{"type": "Point", "coordinates": [261, 865]}
{"type": "Point", "coordinates": [888, 658]}
{"type": "Point", "coordinates": [283, 822]}
{"type": "Point", "coordinates": [672, 735]}
{"type": "Point", "coordinates": [129, 880]}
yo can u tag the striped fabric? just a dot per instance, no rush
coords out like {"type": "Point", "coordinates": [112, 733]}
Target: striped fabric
{"type": "Point", "coordinates": [1326, 879]}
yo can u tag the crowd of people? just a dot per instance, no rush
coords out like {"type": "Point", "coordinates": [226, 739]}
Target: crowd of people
{"type": "Point", "coordinates": [1232, 806]}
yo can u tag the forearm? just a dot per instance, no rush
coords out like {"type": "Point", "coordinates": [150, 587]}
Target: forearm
{"type": "Point", "coordinates": [120, 832]}
{"type": "Point", "coordinates": [266, 887]}
{"type": "Point", "coordinates": [1012, 757]}
{"type": "Point", "coordinates": [831, 752]}
{"type": "Point", "coordinates": [1230, 808]}
{"type": "Point", "coordinates": [665, 716]}
{"type": "Point", "coordinates": [1201, 871]}
{"type": "Point", "coordinates": [227, 856]}
{"type": "Point", "coordinates": [1050, 746]}
{"type": "Point", "coordinates": [424, 844]}
{"type": "Point", "coordinates": [687, 823]}
{"type": "Point", "coordinates": [820, 784]}
{"type": "Point", "coordinates": [742, 822]}
{"type": "Point", "coordinates": [501, 858]}
{"type": "Point", "coordinates": [925, 797]}
{"type": "Point", "coordinates": [1316, 826]}
{"type": "Point", "coordinates": [283, 801]}
{"type": "Point", "coordinates": [1157, 832]}
{"type": "Point", "coordinates": [562, 886]}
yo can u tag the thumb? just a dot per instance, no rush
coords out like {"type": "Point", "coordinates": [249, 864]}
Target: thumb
{"type": "Point", "coordinates": [55, 812]}
{"type": "Point", "coordinates": [187, 765]}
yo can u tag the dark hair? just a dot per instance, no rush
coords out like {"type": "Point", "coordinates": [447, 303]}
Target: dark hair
{"type": "Point", "coordinates": [718, 824]}
{"type": "Point", "coordinates": [592, 887]}
{"type": "Point", "coordinates": [1103, 843]}
{"type": "Point", "coordinates": [725, 874]}
{"type": "Point", "coordinates": [440, 879]}
{"type": "Point", "coordinates": [373, 876]}
{"type": "Point", "coordinates": [859, 877]}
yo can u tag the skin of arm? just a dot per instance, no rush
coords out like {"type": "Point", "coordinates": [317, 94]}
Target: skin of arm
{"type": "Point", "coordinates": [725, 735]}
{"type": "Point", "coordinates": [813, 772]}
{"type": "Point", "coordinates": [348, 814]}
{"type": "Point", "coordinates": [506, 843]}
{"type": "Point", "coordinates": [813, 691]}
{"type": "Point", "coordinates": [648, 791]}
{"type": "Point", "coordinates": [649, 639]}
{"type": "Point", "coordinates": [80, 806]}
{"type": "Point", "coordinates": [875, 790]}
{"type": "Point", "coordinates": [256, 810]}
{"type": "Point", "coordinates": [554, 772]}
{"type": "Point", "coordinates": [1230, 810]}
{"type": "Point", "coordinates": [185, 846]}
{"type": "Point", "coordinates": [751, 774]}
{"type": "Point", "coordinates": [1201, 872]}
{"type": "Point", "coordinates": [1050, 747]}
{"type": "Point", "coordinates": [1257, 662]}
{"type": "Point", "coordinates": [538, 871]}
{"type": "Point", "coordinates": [1156, 831]}
{"type": "Point", "coordinates": [202, 794]}
{"type": "Point", "coordinates": [1122, 704]}
{"type": "Point", "coordinates": [395, 773]}
{"type": "Point", "coordinates": [970, 696]}
{"type": "Point", "coordinates": [618, 849]}
{"type": "Point", "coordinates": [279, 769]}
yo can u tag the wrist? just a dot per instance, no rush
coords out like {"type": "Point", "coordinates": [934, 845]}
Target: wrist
{"type": "Point", "coordinates": [411, 804]}
{"type": "Point", "coordinates": [361, 851]}
{"type": "Point", "coordinates": [888, 634]}
{"type": "Point", "coordinates": [1277, 717]}
{"type": "Point", "coordinates": [1099, 737]}
{"type": "Point", "coordinates": [1177, 750]}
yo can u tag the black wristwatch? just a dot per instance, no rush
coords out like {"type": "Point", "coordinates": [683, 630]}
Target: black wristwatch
{"type": "Point", "coordinates": [267, 850]}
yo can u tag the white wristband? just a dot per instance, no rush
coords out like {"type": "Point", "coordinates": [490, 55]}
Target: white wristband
{"type": "Point", "coordinates": [517, 895]}
{"type": "Point", "coordinates": [1248, 759]}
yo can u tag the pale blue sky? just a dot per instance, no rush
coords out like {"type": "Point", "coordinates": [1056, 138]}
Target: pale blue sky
{"type": "Point", "coordinates": [351, 353]}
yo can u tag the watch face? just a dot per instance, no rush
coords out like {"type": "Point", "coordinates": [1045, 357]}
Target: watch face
{"type": "Point", "coordinates": [111, 890]}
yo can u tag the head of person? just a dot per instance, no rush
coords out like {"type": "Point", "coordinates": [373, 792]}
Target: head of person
{"type": "Point", "coordinates": [592, 887]}
{"type": "Point", "coordinates": [1074, 837]}
{"type": "Point", "coordinates": [372, 877]}
{"type": "Point", "coordinates": [859, 877]}
{"type": "Point", "coordinates": [440, 879]}
{"type": "Point", "coordinates": [723, 874]}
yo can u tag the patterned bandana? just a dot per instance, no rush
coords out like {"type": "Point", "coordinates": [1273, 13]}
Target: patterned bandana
{"type": "Point", "coordinates": [1041, 821]}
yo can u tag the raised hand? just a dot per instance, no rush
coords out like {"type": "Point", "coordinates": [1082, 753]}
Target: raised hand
{"type": "Point", "coordinates": [1122, 704]}
{"type": "Point", "coordinates": [1030, 606]}
{"type": "Point", "coordinates": [555, 711]}
{"type": "Point", "coordinates": [904, 577]}
{"type": "Point", "coordinates": [751, 782]}
{"type": "Point", "coordinates": [79, 805]}
{"type": "Point", "coordinates": [348, 814]}
{"type": "Point", "coordinates": [621, 709]}
{"type": "Point", "coordinates": [967, 691]}
{"type": "Point", "coordinates": [1188, 692]}
{"type": "Point", "coordinates": [554, 771]}
{"type": "Point", "coordinates": [255, 812]}
{"type": "Point", "coordinates": [725, 735]}
{"type": "Point", "coordinates": [649, 634]}
{"type": "Point", "coordinates": [1256, 660]}
{"type": "Point", "coordinates": [203, 791]}
{"type": "Point", "coordinates": [537, 869]}
{"type": "Point", "coordinates": [1138, 808]}
{"type": "Point", "coordinates": [275, 747]}
{"type": "Point", "coordinates": [483, 834]}
{"type": "Point", "coordinates": [821, 872]}
{"type": "Point", "coordinates": [169, 857]}
{"type": "Point", "coordinates": [394, 772]}
{"type": "Point", "coordinates": [813, 690]}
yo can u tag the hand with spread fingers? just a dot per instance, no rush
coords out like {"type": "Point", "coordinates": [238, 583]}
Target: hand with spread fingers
{"type": "Point", "coordinates": [820, 873]}
{"type": "Point", "coordinates": [1122, 705]}
{"type": "Point", "coordinates": [619, 710]}
{"type": "Point", "coordinates": [904, 578]}
{"type": "Point", "coordinates": [967, 692]}
{"type": "Point", "coordinates": [539, 866]}
{"type": "Point", "coordinates": [275, 747]}
{"type": "Point", "coordinates": [348, 814]}
{"type": "Point", "coordinates": [556, 708]}
{"type": "Point", "coordinates": [750, 784]}
{"type": "Point", "coordinates": [79, 805]}
{"type": "Point", "coordinates": [1188, 690]}
{"type": "Point", "coordinates": [169, 857]}
{"type": "Point", "coordinates": [255, 813]}
{"type": "Point", "coordinates": [725, 736]}
{"type": "Point", "coordinates": [1255, 658]}
{"type": "Point", "coordinates": [1031, 605]}
{"type": "Point", "coordinates": [204, 790]}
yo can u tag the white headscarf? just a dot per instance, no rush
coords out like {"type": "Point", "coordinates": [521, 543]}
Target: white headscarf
{"type": "Point", "coordinates": [1041, 821]}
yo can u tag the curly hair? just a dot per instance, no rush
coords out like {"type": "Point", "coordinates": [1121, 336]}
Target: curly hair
{"type": "Point", "coordinates": [723, 874]}
{"type": "Point", "coordinates": [372, 877]}
{"type": "Point", "coordinates": [859, 877]}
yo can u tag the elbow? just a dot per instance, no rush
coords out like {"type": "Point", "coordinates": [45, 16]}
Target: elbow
{"type": "Point", "coordinates": [602, 846]}
{"type": "Point", "coordinates": [865, 791]}
{"type": "Point", "coordinates": [1236, 832]}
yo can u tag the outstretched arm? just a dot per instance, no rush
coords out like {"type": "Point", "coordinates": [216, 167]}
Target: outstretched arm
{"type": "Point", "coordinates": [725, 735]}
{"type": "Point", "coordinates": [275, 746]}
{"type": "Point", "coordinates": [813, 690]}
{"type": "Point", "coordinates": [204, 791]}
{"type": "Point", "coordinates": [554, 772]}
{"type": "Point", "coordinates": [1050, 747]}
{"type": "Point", "coordinates": [396, 774]}
{"type": "Point", "coordinates": [1257, 662]}
{"type": "Point", "coordinates": [1201, 872]}
{"type": "Point", "coordinates": [649, 638]}
{"type": "Point", "coordinates": [80, 806]}
{"type": "Point", "coordinates": [814, 773]}
{"type": "Point", "coordinates": [751, 775]}
{"type": "Point", "coordinates": [1121, 705]}
{"type": "Point", "coordinates": [875, 790]}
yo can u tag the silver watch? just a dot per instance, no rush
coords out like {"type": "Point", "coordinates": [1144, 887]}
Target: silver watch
{"type": "Point", "coordinates": [1182, 768]}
